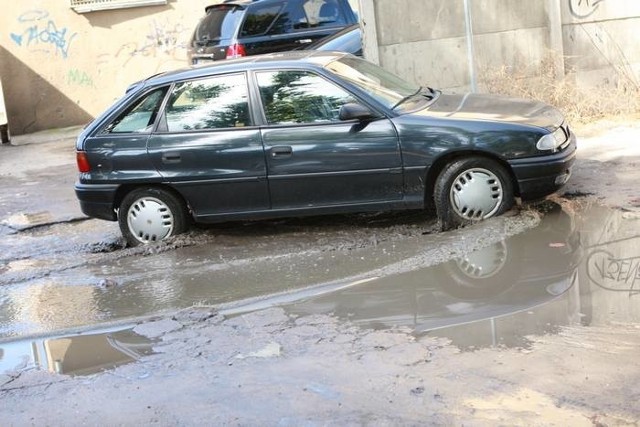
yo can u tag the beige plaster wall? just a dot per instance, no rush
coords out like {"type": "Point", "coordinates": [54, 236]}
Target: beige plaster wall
{"type": "Point", "coordinates": [61, 68]}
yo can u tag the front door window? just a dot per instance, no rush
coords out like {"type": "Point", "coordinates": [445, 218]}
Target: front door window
{"type": "Point", "coordinates": [300, 97]}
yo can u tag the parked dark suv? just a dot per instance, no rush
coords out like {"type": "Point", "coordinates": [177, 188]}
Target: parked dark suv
{"type": "Point", "coordinates": [243, 27]}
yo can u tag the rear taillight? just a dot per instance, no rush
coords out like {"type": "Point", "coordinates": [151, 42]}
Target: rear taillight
{"type": "Point", "coordinates": [83, 162]}
{"type": "Point", "coordinates": [236, 51]}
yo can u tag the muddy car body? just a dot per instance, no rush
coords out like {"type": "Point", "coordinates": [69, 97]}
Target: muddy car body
{"type": "Point", "coordinates": [306, 133]}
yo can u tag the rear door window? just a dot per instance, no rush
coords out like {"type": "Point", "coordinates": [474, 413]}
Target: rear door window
{"type": "Point", "coordinates": [214, 103]}
{"type": "Point", "coordinates": [324, 13]}
{"type": "Point", "coordinates": [292, 18]}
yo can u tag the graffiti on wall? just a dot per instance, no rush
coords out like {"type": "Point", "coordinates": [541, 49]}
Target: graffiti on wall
{"type": "Point", "coordinates": [162, 39]}
{"type": "Point", "coordinates": [39, 32]}
{"type": "Point", "coordinates": [79, 78]}
{"type": "Point", "coordinates": [582, 9]}
{"type": "Point", "coordinates": [613, 273]}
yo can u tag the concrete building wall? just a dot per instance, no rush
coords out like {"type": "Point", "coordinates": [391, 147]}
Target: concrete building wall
{"type": "Point", "coordinates": [601, 41]}
{"type": "Point", "coordinates": [425, 40]}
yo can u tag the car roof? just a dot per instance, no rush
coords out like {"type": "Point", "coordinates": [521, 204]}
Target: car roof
{"type": "Point", "coordinates": [293, 59]}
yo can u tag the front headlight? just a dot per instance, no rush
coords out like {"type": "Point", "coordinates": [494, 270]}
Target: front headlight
{"type": "Point", "coordinates": [552, 140]}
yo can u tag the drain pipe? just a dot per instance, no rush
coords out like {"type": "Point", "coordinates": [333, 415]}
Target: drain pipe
{"type": "Point", "coordinates": [5, 136]}
{"type": "Point", "coordinates": [470, 55]}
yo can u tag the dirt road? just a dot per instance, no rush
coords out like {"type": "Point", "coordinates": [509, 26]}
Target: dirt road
{"type": "Point", "coordinates": [528, 319]}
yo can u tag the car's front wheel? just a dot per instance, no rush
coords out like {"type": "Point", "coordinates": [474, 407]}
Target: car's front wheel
{"type": "Point", "coordinates": [472, 189]}
{"type": "Point", "coordinates": [148, 215]}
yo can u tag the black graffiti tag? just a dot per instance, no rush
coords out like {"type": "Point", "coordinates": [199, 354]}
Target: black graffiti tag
{"type": "Point", "coordinates": [583, 8]}
{"type": "Point", "coordinates": [614, 274]}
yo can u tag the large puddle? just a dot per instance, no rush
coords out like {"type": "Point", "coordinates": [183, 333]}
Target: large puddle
{"type": "Point", "coordinates": [580, 265]}
{"type": "Point", "coordinates": [576, 268]}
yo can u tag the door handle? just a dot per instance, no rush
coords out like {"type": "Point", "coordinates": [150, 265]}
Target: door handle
{"type": "Point", "coordinates": [304, 41]}
{"type": "Point", "coordinates": [171, 158]}
{"type": "Point", "coordinates": [281, 151]}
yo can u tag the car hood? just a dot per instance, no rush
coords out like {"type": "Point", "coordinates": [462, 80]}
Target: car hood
{"type": "Point", "coordinates": [496, 108]}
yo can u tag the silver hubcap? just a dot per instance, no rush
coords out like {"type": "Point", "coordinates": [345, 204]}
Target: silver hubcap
{"type": "Point", "coordinates": [476, 194]}
{"type": "Point", "coordinates": [484, 263]}
{"type": "Point", "coordinates": [150, 220]}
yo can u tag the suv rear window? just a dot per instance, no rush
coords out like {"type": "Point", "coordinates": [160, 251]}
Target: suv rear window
{"type": "Point", "coordinates": [220, 22]}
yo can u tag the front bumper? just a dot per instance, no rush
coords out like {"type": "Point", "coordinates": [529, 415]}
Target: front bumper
{"type": "Point", "coordinates": [540, 176]}
{"type": "Point", "coordinates": [97, 200]}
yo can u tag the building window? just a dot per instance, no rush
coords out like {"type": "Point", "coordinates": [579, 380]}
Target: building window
{"type": "Point", "coordinates": [83, 6]}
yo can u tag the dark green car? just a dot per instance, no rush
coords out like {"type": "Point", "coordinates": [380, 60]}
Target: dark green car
{"type": "Point", "coordinates": [309, 133]}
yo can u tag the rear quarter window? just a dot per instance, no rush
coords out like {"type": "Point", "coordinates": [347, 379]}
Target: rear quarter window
{"type": "Point", "coordinates": [260, 19]}
{"type": "Point", "coordinates": [140, 116]}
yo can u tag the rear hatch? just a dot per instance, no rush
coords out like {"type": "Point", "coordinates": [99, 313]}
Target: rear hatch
{"type": "Point", "coordinates": [215, 32]}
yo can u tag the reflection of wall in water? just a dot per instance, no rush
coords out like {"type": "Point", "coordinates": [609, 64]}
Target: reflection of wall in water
{"type": "Point", "coordinates": [610, 271]}
{"type": "Point", "coordinates": [36, 306]}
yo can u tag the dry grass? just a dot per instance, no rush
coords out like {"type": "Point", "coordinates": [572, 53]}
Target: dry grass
{"type": "Point", "coordinates": [579, 104]}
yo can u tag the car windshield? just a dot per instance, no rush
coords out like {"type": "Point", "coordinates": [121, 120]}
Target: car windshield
{"type": "Point", "coordinates": [387, 88]}
{"type": "Point", "coordinates": [220, 22]}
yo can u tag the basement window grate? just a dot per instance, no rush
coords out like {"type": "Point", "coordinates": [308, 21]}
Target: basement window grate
{"type": "Point", "coordinates": [84, 6]}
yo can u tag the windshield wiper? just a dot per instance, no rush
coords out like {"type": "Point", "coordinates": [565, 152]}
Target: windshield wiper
{"type": "Point", "coordinates": [404, 99]}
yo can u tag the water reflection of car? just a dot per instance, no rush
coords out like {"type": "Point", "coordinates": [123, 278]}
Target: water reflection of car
{"type": "Point", "coordinates": [519, 273]}
{"type": "Point", "coordinates": [347, 40]}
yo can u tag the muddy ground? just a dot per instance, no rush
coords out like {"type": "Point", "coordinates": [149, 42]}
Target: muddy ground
{"type": "Point", "coordinates": [528, 319]}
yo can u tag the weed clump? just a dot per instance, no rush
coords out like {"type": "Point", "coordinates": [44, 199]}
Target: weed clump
{"type": "Point", "coordinates": [619, 95]}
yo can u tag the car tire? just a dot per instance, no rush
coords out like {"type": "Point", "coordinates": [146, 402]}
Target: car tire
{"type": "Point", "coordinates": [148, 215]}
{"type": "Point", "coordinates": [472, 189]}
{"type": "Point", "coordinates": [5, 136]}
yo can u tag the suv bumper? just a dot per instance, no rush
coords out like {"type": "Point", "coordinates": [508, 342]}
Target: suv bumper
{"type": "Point", "coordinates": [97, 200]}
{"type": "Point", "coordinates": [540, 176]}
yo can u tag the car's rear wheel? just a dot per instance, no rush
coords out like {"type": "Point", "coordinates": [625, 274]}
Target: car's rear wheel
{"type": "Point", "coordinates": [472, 189]}
{"type": "Point", "coordinates": [148, 215]}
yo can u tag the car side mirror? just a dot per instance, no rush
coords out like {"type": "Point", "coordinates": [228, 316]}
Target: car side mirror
{"type": "Point", "coordinates": [355, 111]}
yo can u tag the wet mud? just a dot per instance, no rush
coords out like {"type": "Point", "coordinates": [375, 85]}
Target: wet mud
{"type": "Point", "coordinates": [57, 278]}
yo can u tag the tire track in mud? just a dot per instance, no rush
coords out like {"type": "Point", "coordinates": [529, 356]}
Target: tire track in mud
{"type": "Point", "coordinates": [38, 251]}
